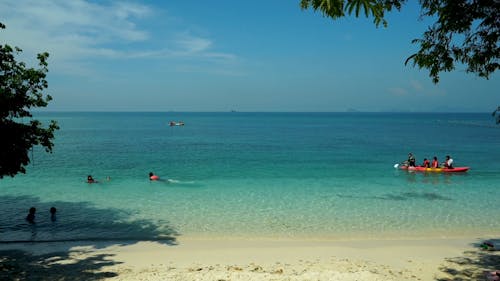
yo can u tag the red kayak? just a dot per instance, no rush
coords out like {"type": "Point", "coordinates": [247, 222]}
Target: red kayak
{"type": "Point", "coordinates": [436, 170]}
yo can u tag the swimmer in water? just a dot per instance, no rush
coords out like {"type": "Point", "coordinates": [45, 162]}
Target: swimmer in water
{"type": "Point", "coordinates": [153, 177]}
{"type": "Point", "coordinates": [90, 179]}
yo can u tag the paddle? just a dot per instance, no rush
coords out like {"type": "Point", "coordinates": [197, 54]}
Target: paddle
{"type": "Point", "coordinates": [402, 163]}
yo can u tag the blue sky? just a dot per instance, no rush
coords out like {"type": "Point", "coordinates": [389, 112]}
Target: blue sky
{"type": "Point", "coordinates": [231, 55]}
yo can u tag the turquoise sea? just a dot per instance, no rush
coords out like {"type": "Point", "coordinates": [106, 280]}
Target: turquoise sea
{"type": "Point", "coordinates": [257, 175]}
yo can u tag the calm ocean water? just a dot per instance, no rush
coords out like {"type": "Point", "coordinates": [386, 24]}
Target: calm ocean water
{"type": "Point", "coordinates": [257, 175]}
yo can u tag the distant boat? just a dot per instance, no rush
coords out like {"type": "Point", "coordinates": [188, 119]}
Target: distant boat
{"type": "Point", "coordinates": [173, 123]}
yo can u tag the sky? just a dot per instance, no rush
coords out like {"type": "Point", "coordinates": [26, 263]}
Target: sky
{"type": "Point", "coordinates": [184, 55]}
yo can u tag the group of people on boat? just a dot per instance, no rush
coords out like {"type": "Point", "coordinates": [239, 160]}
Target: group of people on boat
{"type": "Point", "coordinates": [447, 164]}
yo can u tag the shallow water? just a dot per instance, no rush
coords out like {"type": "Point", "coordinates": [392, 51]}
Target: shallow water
{"type": "Point", "coordinates": [278, 175]}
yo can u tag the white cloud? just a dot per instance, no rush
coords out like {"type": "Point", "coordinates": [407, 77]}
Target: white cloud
{"type": "Point", "coordinates": [57, 18]}
{"type": "Point", "coordinates": [427, 88]}
{"type": "Point", "coordinates": [76, 31]}
{"type": "Point", "coordinates": [414, 88]}
{"type": "Point", "coordinates": [398, 91]}
{"type": "Point", "coordinates": [416, 85]}
{"type": "Point", "coordinates": [190, 44]}
{"type": "Point", "coordinates": [72, 30]}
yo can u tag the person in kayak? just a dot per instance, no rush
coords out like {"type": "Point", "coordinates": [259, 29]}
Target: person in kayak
{"type": "Point", "coordinates": [427, 163]}
{"type": "Point", "coordinates": [448, 163]}
{"type": "Point", "coordinates": [411, 160]}
{"type": "Point", "coordinates": [435, 162]}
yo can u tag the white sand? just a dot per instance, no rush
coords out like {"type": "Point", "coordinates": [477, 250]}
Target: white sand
{"type": "Point", "coordinates": [194, 259]}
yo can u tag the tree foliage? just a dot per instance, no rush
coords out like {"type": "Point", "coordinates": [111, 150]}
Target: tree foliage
{"type": "Point", "coordinates": [465, 32]}
{"type": "Point", "coordinates": [21, 90]}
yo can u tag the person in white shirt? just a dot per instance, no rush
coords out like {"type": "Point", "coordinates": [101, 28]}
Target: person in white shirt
{"type": "Point", "coordinates": [448, 163]}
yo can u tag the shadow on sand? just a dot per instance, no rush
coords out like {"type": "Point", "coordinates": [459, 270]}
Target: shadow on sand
{"type": "Point", "coordinates": [22, 265]}
{"type": "Point", "coordinates": [64, 249]}
{"type": "Point", "coordinates": [472, 264]}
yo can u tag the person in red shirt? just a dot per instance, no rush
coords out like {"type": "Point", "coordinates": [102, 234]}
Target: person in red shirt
{"type": "Point", "coordinates": [426, 164]}
{"type": "Point", "coordinates": [153, 177]}
{"type": "Point", "coordinates": [435, 162]}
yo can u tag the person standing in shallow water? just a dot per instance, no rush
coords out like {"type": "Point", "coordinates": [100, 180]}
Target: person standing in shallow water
{"type": "Point", "coordinates": [31, 215]}
{"type": "Point", "coordinates": [53, 211]}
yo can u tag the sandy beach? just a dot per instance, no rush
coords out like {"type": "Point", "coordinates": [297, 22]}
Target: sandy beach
{"type": "Point", "coordinates": [201, 259]}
